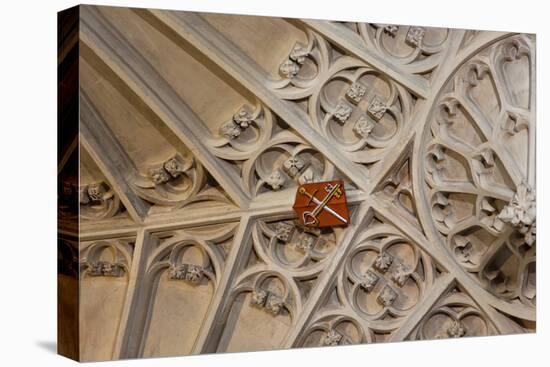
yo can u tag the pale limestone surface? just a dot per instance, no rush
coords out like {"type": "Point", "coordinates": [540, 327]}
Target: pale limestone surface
{"type": "Point", "coordinates": [188, 123]}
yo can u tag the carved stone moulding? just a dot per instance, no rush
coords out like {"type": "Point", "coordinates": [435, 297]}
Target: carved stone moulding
{"type": "Point", "coordinates": [455, 315]}
{"type": "Point", "coordinates": [105, 267]}
{"type": "Point", "coordinates": [333, 330]}
{"type": "Point", "coordinates": [385, 276]}
{"type": "Point", "coordinates": [110, 258]}
{"type": "Point", "coordinates": [270, 156]}
{"type": "Point", "coordinates": [355, 106]}
{"type": "Point", "coordinates": [479, 173]}
{"type": "Point", "coordinates": [177, 233]}
{"type": "Point", "coordinates": [177, 182]}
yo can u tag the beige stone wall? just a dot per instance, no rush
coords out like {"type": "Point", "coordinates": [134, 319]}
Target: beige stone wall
{"type": "Point", "coordinates": [187, 125]}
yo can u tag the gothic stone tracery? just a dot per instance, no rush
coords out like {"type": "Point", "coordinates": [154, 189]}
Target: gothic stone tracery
{"type": "Point", "coordinates": [196, 131]}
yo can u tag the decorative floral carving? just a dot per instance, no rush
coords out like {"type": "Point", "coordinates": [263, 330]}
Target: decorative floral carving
{"type": "Point", "coordinates": [97, 192]}
{"type": "Point", "coordinates": [105, 269]}
{"type": "Point", "coordinates": [106, 258]}
{"type": "Point", "coordinates": [391, 29]}
{"type": "Point", "coordinates": [230, 130]}
{"type": "Point", "coordinates": [415, 35]}
{"type": "Point", "coordinates": [241, 120]}
{"type": "Point", "coordinates": [169, 169]}
{"type": "Point", "coordinates": [93, 192]}
{"type": "Point", "coordinates": [258, 298]}
{"type": "Point", "coordinates": [176, 182]}
{"type": "Point", "coordinates": [284, 231]}
{"type": "Point", "coordinates": [456, 329]}
{"type": "Point", "coordinates": [284, 165]}
{"type": "Point", "coordinates": [98, 201]}
{"type": "Point", "coordinates": [271, 156]}
{"type": "Point", "coordinates": [396, 187]}
{"type": "Point", "coordinates": [294, 165]}
{"type": "Point", "coordinates": [274, 304]}
{"type": "Point", "coordinates": [243, 117]}
{"type": "Point", "coordinates": [334, 329]}
{"type": "Point", "coordinates": [174, 167]}
{"type": "Point", "coordinates": [484, 163]}
{"type": "Point", "coordinates": [268, 301]}
{"type": "Point", "coordinates": [332, 337]}
{"type": "Point", "coordinates": [339, 89]}
{"type": "Point", "coordinates": [342, 112]}
{"type": "Point", "coordinates": [292, 246]}
{"type": "Point", "coordinates": [306, 242]}
{"type": "Point", "coordinates": [414, 50]}
{"type": "Point", "coordinates": [369, 281]}
{"type": "Point", "coordinates": [194, 274]}
{"type": "Point", "coordinates": [289, 69]}
{"type": "Point", "coordinates": [356, 92]}
{"type": "Point", "coordinates": [529, 234]}
{"type": "Point", "coordinates": [364, 126]}
{"type": "Point", "coordinates": [435, 162]}
{"type": "Point", "coordinates": [455, 315]}
{"type": "Point", "coordinates": [387, 296]}
{"type": "Point", "coordinates": [385, 276]}
{"type": "Point", "coordinates": [192, 256]}
{"type": "Point", "coordinates": [377, 108]}
{"type": "Point", "coordinates": [400, 274]}
{"type": "Point", "coordinates": [487, 158]}
{"type": "Point", "coordinates": [383, 262]}
{"type": "Point", "coordinates": [521, 211]}
{"type": "Point", "coordinates": [463, 248]}
{"type": "Point", "coordinates": [177, 271]}
{"type": "Point", "coordinates": [276, 180]}
{"type": "Point", "coordinates": [299, 53]}
{"type": "Point", "coordinates": [191, 273]}
{"type": "Point", "coordinates": [159, 175]}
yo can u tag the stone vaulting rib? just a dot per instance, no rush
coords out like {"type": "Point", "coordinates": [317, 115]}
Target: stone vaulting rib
{"type": "Point", "coordinates": [101, 37]}
{"type": "Point", "coordinates": [363, 214]}
{"type": "Point", "coordinates": [264, 269]}
{"type": "Point", "coordinates": [453, 268]}
{"type": "Point", "coordinates": [210, 42]}
{"type": "Point", "coordinates": [143, 243]}
{"type": "Point", "coordinates": [350, 42]}
{"type": "Point", "coordinates": [442, 286]}
{"type": "Point", "coordinates": [110, 157]}
{"type": "Point", "coordinates": [205, 341]}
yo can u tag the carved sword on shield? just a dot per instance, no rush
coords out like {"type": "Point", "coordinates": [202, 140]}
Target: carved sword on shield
{"type": "Point", "coordinates": [310, 218]}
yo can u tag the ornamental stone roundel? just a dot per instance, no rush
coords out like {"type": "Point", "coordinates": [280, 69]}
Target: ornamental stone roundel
{"type": "Point", "coordinates": [476, 172]}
